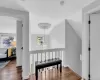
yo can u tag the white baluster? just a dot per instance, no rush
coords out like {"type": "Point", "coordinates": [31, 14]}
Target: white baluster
{"type": "Point", "coordinates": [33, 64]}
{"type": "Point", "coordinates": [41, 56]}
{"type": "Point", "coordinates": [49, 55]}
{"type": "Point", "coordinates": [37, 57]}
{"type": "Point", "coordinates": [55, 54]}
{"type": "Point", "coordinates": [62, 57]}
{"type": "Point", "coordinates": [59, 54]}
{"type": "Point", "coordinates": [45, 56]}
{"type": "Point", "coordinates": [52, 54]}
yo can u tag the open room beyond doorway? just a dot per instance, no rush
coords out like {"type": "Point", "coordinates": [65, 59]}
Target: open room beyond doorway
{"type": "Point", "coordinates": [7, 40]}
{"type": "Point", "coordinates": [7, 31]}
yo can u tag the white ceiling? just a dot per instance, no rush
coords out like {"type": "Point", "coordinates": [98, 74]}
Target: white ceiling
{"type": "Point", "coordinates": [7, 24]}
{"type": "Point", "coordinates": [52, 8]}
{"type": "Point", "coordinates": [11, 4]}
{"type": "Point", "coordinates": [49, 11]}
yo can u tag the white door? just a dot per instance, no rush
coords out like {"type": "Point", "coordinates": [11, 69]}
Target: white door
{"type": "Point", "coordinates": [95, 47]}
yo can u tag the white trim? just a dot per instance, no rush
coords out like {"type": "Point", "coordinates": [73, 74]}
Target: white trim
{"type": "Point", "coordinates": [66, 66]}
{"type": "Point", "coordinates": [46, 50]}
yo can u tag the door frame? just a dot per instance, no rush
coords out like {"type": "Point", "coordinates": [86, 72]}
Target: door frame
{"type": "Point", "coordinates": [24, 17]}
{"type": "Point", "coordinates": [86, 11]}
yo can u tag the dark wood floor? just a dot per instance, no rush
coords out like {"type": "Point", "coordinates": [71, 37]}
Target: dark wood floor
{"type": "Point", "coordinates": [10, 72]}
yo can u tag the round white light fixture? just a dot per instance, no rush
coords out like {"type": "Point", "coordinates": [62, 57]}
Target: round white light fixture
{"type": "Point", "coordinates": [62, 2]}
{"type": "Point", "coordinates": [44, 25]}
{"type": "Point", "coordinates": [22, 0]}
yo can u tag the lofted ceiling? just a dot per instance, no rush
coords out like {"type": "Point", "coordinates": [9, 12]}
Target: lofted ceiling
{"type": "Point", "coordinates": [49, 11]}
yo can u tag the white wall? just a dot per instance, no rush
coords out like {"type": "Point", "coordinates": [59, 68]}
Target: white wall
{"type": "Point", "coordinates": [73, 45]}
{"type": "Point", "coordinates": [75, 21]}
{"type": "Point", "coordinates": [68, 35]}
{"type": "Point", "coordinates": [7, 24]}
{"type": "Point", "coordinates": [57, 36]}
{"type": "Point", "coordinates": [34, 45]}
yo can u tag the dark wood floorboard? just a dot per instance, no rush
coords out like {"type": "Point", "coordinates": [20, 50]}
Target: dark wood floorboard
{"type": "Point", "coordinates": [55, 74]}
{"type": "Point", "coordinates": [10, 72]}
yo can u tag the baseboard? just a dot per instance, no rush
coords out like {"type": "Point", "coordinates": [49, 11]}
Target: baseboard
{"type": "Point", "coordinates": [66, 65]}
{"type": "Point", "coordinates": [83, 79]}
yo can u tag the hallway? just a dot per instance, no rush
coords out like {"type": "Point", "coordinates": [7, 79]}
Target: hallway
{"type": "Point", "coordinates": [10, 72]}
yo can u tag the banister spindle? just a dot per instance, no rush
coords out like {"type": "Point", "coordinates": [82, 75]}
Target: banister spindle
{"type": "Point", "coordinates": [49, 55]}
{"type": "Point", "coordinates": [37, 57]}
{"type": "Point", "coordinates": [55, 54]}
{"type": "Point", "coordinates": [52, 54]}
{"type": "Point", "coordinates": [62, 54]}
{"type": "Point", "coordinates": [59, 54]}
{"type": "Point", "coordinates": [45, 56]}
{"type": "Point", "coordinates": [33, 60]}
{"type": "Point", "coordinates": [41, 56]}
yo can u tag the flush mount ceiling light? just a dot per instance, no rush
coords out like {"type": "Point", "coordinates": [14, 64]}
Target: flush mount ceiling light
{"type": "Point", "coordinates": [44, 25]}
{"type": "Point", "coordinates": [62, 2]}
{"type": "Point", "coordinates": [22, 0]}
